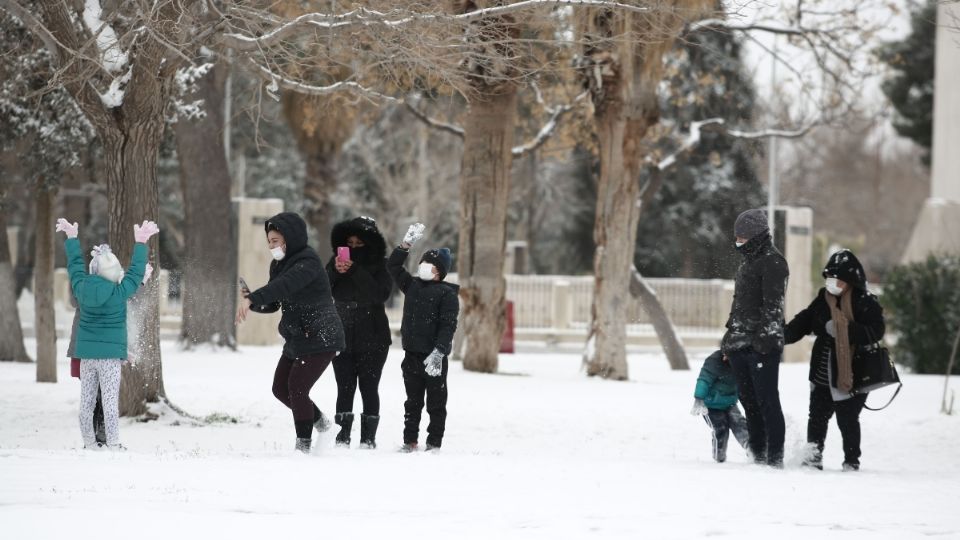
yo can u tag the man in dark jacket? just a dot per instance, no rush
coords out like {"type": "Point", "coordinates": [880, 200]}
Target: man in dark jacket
{"type": "Point", "coordinates": [361, 286]}
{"type": "Point", "coordinates": [310, 325]}
{"type": "Point", "coordinates": [845, 284]}
{"type": "Point", "coordinates": [754, 339]}
{"type": "Point", "coordinates": [430, 313]}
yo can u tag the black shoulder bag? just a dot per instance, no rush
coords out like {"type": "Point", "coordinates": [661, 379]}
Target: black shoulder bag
{"type": "Point", "coordinates": [874, 369]}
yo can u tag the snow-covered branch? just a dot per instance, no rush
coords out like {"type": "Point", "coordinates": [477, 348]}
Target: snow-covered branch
{"type": "Point", "coordinates": [367, 17]}
{"type": "Point", "coordinates": [435, 124]}
{"type": "Point", "coordinates": [543, 134]}
{"type": "Point", "coordinates": [720, 125]}
{"type": "Point", "coordinates": [278, 81]}
{"type": "Point", "coordinates": [548, 128]}
{"type": "Point", "coordinates": [112, 57]}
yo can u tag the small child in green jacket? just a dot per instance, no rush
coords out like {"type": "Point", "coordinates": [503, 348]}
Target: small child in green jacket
{"type": "Point", "coordinates": [715, 398]}
{"type": "Point", "coordinates": [101, 333]}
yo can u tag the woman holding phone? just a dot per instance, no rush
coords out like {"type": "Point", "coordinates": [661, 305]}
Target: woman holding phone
{"type": "Point", "coordinates": [361, 285]}
{"type": "Point", "coordinates": [310, 327]}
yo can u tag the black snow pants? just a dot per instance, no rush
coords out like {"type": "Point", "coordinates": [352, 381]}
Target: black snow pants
{"type": "Point", "coordinates": [417, 382]}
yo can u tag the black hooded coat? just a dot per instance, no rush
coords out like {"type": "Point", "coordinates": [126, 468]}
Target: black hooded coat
{"type": "Point", "coordinates": [361, 292]}
{"type": "Point", "coordinates": [299, 286]}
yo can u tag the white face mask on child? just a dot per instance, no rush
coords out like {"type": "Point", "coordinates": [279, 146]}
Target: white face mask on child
{"type": "Point", "coordinates": [425, 271]}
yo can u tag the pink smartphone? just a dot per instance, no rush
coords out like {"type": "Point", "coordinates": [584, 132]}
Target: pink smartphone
{"type": "Point", "coordinates": [343, 253]}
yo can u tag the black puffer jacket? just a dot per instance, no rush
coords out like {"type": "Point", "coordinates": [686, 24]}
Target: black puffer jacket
{"type": "Point", "coordinates": [756, 318]}
{"type": "Point", "coordinates": [430, 309]}
{"type": "Point", "coordinates": [867, 327]}
{"type": "Point", "coordinates": [360, 293]}
{"type": "Point", "coordinates": [299, 286]}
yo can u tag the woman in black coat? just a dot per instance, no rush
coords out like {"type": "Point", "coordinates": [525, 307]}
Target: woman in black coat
{"type": "Point", "coordinates": [361, 286]}
{"type": "Point", "coordinates": [845, 317]}
{"type": "Point", "coordinates": [310, 326]}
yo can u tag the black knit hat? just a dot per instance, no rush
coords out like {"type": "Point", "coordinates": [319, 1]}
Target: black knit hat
{"type": "Point", "coordinates": [751, 223]}
{"type": "Point", "coordinates": [441, 258]}
{"type": "Point", "coordinates": [845, 265]}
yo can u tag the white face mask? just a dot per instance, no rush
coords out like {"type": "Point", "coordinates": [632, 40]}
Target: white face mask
{"type": "Point", "coordinates": [740, 244]}
{"type": "Point", "coordinates": [277, 253]}
{"type": "Point", "coordinates": [425, 271]}
{"type": "Point", "coordinates": [832, 286]}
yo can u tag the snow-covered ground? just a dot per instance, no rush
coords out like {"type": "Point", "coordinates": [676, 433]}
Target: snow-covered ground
{"type": "Point", "coordinates": [539, 451]}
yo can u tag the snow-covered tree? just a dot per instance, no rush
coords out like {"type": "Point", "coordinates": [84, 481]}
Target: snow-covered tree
{"type": "Point", "coordinates": [705, 189]}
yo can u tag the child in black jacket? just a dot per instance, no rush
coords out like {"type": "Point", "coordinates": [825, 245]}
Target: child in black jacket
{"type": "Point", "coordinates": [430, 313]}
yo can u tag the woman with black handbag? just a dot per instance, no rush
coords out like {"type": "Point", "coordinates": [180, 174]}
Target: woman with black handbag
{"type": "Point", "coordinates": [848, 321]}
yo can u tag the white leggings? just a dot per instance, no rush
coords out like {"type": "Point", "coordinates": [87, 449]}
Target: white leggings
{"type": "Point", "coordinates": [104, 374]}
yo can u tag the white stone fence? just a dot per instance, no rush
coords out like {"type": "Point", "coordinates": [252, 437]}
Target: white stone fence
{"type": "Point", "coordinates": [551, 308]}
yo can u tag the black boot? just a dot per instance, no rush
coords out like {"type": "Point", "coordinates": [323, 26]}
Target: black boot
{"type": "Point", "coordinates": [345, 421]}
{"type": "Point", "coordinates": [303, 445]}
{"type": "Point", "coordinates": [368, 431]}
{"type": "Point", "coordinates": [320, 422]}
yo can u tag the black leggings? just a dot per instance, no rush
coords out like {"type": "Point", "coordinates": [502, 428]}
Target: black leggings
{"type": "Point", "coordinates": [292, 382]}
{"type": "Point", "coordinates": [365, 368]}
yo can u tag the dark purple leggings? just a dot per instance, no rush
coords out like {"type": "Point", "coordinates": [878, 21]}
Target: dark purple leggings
{"type": "Point", "coordinates": [292, 382]}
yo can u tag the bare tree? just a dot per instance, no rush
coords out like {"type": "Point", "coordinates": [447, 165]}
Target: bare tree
{"type": "Point", "coordinates": [11, 332]}
{"type": "Point", "coordinates": [209, 274]}
{"type": "Point", "coordinates": [45, 316]}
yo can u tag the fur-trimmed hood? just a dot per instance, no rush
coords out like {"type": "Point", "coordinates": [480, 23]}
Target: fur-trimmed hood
{"type": "Point", "coordinates": [364, 228]}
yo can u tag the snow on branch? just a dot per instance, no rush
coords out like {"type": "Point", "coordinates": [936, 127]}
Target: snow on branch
{"type": "Point", "coordinates": [543, 134]}
{"type": "Point", "coordinates": [435, 124]}
{"type": "Point", "coordinates": [113, 58]}
{"type": "Point", "coordinates": [368, 17]}
{"type": "Point", "coordinates": [720, 125]}
{"type": "Point", "coordinates": [548, 128]}
{"type": "Point", "coordinates": [278, 81]}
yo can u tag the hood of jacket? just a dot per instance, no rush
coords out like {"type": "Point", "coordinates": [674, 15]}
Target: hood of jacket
{"type": "Point", "coordinates": [364, 228]}
{"type": "Point", "coordinates": [293, 229]}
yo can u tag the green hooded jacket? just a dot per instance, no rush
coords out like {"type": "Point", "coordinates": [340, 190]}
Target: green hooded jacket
{"type": "Point", "coordinates": [102, 330]}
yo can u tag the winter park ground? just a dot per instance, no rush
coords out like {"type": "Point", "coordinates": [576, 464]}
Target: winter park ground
{"type": "Point", "coordinates": [539, 451]}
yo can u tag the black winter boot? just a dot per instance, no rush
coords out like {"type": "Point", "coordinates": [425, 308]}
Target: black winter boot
{"type": "Point", "coordinates": [345, 421]}
{"type": "Point", "coordinates": [320, 422]}
{"type": "Point", "coordinates": [368, 431]}
{"type": "Point", "coordinates": [303, 445]}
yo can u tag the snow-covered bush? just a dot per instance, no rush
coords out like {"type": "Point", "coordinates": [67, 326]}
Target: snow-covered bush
{"type": "Point", "coordinates": [922, 302]}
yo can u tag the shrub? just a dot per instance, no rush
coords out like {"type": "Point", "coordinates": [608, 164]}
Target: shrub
{"type": "Point", "coordinates": [922, 303]}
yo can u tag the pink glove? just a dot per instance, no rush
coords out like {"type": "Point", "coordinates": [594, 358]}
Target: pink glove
{"type": "Point", "coordinates": [147, 273]}
{"type": "Point", "coordinates": [143, 232]}
{"type": "Point", "coordinates": [65, 226]}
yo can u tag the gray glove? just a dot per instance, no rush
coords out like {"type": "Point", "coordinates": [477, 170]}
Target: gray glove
{"type": "Point", "coordinates": [699, 408]}
{"type": "Point", "coordinates": [414, 233]}
{"type": "Point", "coordinates": [433, 364]}
{"type": "Point", "coordinates": [831, 328]}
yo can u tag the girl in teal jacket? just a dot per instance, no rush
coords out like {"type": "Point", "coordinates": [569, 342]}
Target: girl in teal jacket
{"type": "Point", "coordinates": [715, 398]}
{"type": "Point", "coordinates": [101, 333]}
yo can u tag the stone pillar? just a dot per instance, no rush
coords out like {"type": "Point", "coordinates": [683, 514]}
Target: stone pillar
{"type": "Point", "coordinates": [253, 265]}
{"type": "Point", "coordinates": [13, 233]}
{"type": "Point", "coordinates": [939, 221]}
{"type": "Point", "coordinates": [794, 237]}
{"type": "Point", "coordinates": [517, 260]}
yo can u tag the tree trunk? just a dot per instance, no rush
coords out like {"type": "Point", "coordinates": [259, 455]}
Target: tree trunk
{"type": "Point", "coordinates": [666, 333]}
{"type": "Point", "coordinates": [209, 272]}
{"type": "Point", "coordinates": [484, 191]}
{"type": "Point", "coordinates": [615, 232]}
{"type": "Point", "coordinates": [45, 321]}
{"type": "Point", "coordinates": [130, 162]}
{"type": "Point", "coordinates": [11, 331]}
{"type": "Point", "coordinates": [320, 129]}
